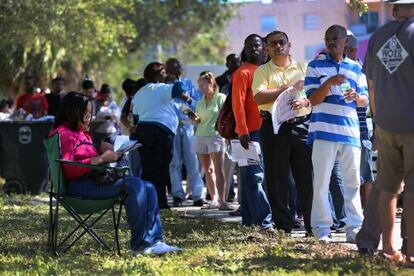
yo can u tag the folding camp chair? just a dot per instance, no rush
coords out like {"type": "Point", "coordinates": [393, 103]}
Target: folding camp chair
{"type": "Point", "coordinates": [80, 209]}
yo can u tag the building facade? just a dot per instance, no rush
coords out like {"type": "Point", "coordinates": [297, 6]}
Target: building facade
{"type": "Point", "coordinates": [305, 21]}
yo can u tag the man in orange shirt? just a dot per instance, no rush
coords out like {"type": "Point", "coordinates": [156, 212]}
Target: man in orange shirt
{"type": "Point", "coordinates": [32, 102]}
{"type": "Point", "coordinates": [255, 208]}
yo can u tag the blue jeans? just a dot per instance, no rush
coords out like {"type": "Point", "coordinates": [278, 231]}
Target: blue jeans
{"type": "Point", "coordinates": [336, 196]}
{"type": "Point", "coordinates": [140, 204]}
{"type": "Point", "coordinates": [256, 208]}
{"type": "Point", "coordinates": [135, 162]}
{"type": "Point", "coordinates": [184, 155]}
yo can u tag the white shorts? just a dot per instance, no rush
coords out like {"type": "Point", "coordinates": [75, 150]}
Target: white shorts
{"type": "Point", "coordinates": [208, 144]}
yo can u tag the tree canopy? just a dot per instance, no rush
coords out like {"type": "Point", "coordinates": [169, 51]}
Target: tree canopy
{"type": "Point", "coordinates": [45, 37]}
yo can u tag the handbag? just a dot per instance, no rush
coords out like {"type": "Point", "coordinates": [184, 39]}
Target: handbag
{"type": "Point", "coordinates": [226, 123]}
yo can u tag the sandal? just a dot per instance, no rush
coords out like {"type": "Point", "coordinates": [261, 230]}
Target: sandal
{"type": "Point", "coordinates": [210, 206]}
{"type": "Point", "coordinates": [397, 257]}
{"type": "Point", "coordinates": [224, 206]}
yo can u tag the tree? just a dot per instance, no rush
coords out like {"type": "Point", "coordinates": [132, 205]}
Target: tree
{"type": "Point", "coordinates": [359, 6]}
{"type": "Point", "coordinates": [41, 37]}
{"type": "Point", "coordinates": [81, 37]}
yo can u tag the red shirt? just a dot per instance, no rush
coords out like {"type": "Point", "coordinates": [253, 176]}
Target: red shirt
{"type": "Point", "coordinates": [245, 109]}
{"type": "Point", "coordinates": [76, 145]}
{"type": "Point", "coordinates": [33, 103]}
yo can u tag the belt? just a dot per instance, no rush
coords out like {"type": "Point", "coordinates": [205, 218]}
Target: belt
{"type": "Point", "coordinates": [265, 114]}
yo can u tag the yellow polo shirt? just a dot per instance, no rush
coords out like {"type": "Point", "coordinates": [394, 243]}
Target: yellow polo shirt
{"type": "Point", "coordinates": [271, 76]}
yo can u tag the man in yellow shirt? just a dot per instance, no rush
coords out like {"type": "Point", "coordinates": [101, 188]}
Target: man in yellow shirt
{"type": "Point", "coordinates": [286, 151]}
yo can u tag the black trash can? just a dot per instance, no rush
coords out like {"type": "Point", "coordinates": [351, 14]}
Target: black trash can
{"type": "Point", "coordinates": [23, 159]}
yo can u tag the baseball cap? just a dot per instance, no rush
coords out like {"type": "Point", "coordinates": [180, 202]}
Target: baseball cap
{"type": "Point", "coordinates": [352, 42]}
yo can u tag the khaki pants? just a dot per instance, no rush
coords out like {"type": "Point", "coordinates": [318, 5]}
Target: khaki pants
{"type": "Point", "coordinates": [396, 151]}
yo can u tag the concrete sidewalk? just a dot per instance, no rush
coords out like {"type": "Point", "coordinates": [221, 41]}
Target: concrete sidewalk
{"type": "Point", "coordinates": [189, 210]}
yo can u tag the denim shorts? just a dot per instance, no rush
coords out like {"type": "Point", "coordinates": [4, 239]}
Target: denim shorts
{"type": "Point", "coordinates": [367, 175]}
{"type": "Point", "coordinates": [208, 144]}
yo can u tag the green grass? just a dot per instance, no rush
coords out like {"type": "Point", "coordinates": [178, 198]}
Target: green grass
{"type": "Point", "coordinates": [210, 248]}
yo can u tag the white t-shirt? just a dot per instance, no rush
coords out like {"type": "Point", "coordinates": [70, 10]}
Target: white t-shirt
{"type": "Point", "coordinates": [154, 103]}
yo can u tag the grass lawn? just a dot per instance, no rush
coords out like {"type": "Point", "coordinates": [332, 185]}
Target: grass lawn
{"type": "Point", "coordinates": [210, 247]}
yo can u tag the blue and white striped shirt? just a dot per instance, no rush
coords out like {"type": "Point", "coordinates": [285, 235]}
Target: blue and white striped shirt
{"type": "Point", "coordinates": [334, 119]}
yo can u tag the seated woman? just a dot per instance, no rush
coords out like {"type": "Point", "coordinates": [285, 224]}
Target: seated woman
{"type": "Point", "coordinates": [141, 205]}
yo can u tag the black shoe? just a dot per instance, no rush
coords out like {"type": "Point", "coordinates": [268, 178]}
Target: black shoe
{"type": "Point", "coordinates": [308, 234]}
{"type": "Point", "coordinates": [368, 252]}
{"type": "Point", "coordinates": [235, 213]}
{"type": "Point", "coordinates": [296, 224]}
{"type": "Point", "coordinates": [199, 203]}
{"type": "Point", "coordinates": [177, 202]}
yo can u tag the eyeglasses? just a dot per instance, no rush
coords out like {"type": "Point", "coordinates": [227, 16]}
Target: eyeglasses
{"type": "Point", "coordinates": [334, 39]}
{"type": "Point", "coordinates": [281, 42]}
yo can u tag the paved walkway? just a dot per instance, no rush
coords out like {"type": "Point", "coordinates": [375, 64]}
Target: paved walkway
{"type": "Point", "coordinates": [190, 211]}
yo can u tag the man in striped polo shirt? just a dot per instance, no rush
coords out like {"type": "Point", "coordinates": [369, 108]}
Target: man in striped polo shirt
{"type": "Point", "coordinates": [334, 131]}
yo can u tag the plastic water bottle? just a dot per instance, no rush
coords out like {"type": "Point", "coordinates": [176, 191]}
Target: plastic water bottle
{"type": "Point", "coordinates": [345, 86]}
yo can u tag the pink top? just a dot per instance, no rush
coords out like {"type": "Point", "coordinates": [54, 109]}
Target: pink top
{"type": "Point", "coordinates": [76, 145]}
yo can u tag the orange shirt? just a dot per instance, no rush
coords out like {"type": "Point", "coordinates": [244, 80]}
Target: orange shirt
{"type": "Point", "coordinates": [245, 109]}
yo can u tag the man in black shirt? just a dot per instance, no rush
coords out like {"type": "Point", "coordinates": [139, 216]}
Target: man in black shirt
{"type": "Point", "coordinates": [232, 63]}
{"type": "Point", "coordinates": [55, 97]}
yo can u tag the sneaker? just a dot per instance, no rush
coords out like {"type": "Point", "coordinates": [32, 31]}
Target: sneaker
{"type": "Point", "coordinates": [296, 224]}
{"type": "Point", "coordinates": [199, 203]}
{"type": "Point", "coordinates": [177, 202]}
{"type": "Point", "coordinates": [325, 239]}
{"type": "Point", "coordinates": [224, 206]}
{"type": "Point", "coordinates": [135, 254]}
{"type": "Point", "coordinates": [367, 252]}
{"type": "Point", "coordinates": [160, 248]}
{"type": "Point", "coordinates": [235, 213]}
{"type": "Point", "coordinates": [351, 235]}
{"type": "Point", "coordinates": [268, 230]}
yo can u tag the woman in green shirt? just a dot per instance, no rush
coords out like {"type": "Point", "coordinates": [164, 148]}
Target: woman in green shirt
{"type": "Point", "coordinates": [208, 144]}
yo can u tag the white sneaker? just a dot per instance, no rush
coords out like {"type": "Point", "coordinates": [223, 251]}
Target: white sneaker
{"type": "Point", "coordinates": [160, 248]}
{"type": "Point", "coordinates": [351, 235]}
{"type": "Point", "coordinates": [325, 239]}
{"type": "Point", "coordinates": [135, 253]}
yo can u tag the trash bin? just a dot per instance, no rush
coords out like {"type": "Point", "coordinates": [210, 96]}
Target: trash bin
{"type": "Point", "coordinates": [23, 158]}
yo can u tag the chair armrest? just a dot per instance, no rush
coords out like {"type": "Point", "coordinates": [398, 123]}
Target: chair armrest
{"type": "Point", "coordinates": [100, 167]}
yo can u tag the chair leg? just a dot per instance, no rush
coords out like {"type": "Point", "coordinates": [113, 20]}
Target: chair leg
{"type": "Point", "coordinates": [116, 226]}
{"type": "Point", "coordinates": [50, 226]}
{"type": "Point", "coordinates": [87, 229]}
{"type": "Point", "coordinates": [55, 228]}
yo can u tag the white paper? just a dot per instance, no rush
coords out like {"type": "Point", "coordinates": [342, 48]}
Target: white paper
{"type": "Point", "coordinates": [282, 108]}
{"type": "Point", "coordinates": [245, 157]}
{"type": "Point", "coordinates": [120, 140]}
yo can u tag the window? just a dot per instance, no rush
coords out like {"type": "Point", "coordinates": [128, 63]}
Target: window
{"type": "Point", "coordinates": [371, 20]}
{"type": "Point", "coordinates": [312, 22]}
{"type": "Point", "coordinates": [268, 24]}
